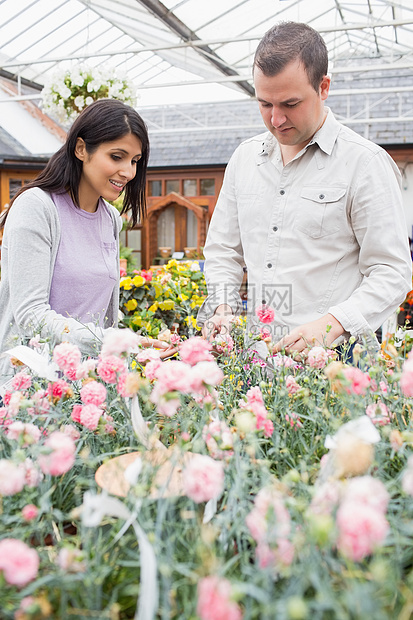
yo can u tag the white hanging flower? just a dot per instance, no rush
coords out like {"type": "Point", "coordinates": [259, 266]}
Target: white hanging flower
{"type": "Point", "coordinates": [80, 102]}
{"type": "Point", "coordinates": [70, 90]}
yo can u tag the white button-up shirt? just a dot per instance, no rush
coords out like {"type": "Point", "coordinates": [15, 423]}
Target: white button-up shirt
{"type": "Point", "coordinates": [324, 233]}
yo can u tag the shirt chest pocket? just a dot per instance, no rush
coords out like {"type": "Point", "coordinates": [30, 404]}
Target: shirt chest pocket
{"type": "Point", "coordinates": [321, 210]}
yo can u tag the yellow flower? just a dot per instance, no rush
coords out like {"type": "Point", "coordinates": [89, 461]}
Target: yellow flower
{"type": "Point", "coordinates": [171, 263]}
{"type": "Point", "coordinates": [154, 307]}
{"type": "Point", "coordinates": [191, 320]}
{"type": "Point", "coordinates": [183, 297]}
{"type": "Point", "coordinates": [158, 289]}
{"type": "Point", "coordinates": [126, 283]}
{"type": "Point", "coordinates": [131, 305]}
{"type": "Point", "coordinates": [137, 320]}
{"type": "Point", "coordinates": [168, 304]}
{"type": "Point", "coordinates": [138, 281]}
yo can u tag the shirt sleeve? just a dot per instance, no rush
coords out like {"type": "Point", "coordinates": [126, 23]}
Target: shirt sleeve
{"type": "Point", "coordinates": [31, 235]}
{"type": "Point", "coordinates": [223, 251]}
{"type": "Point", "coordinates": [385, 265]}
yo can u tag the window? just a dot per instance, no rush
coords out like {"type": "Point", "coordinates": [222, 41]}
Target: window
{"type": "Point", "coordinates": [172, 185]}
{"type": "Point", "coordinates": [132, 239]}
{"type": "Point", "coordinates": [15, 185]}
{"type": "Point", "coordinates": [155, 188]}
{"type": "Point", "coordinates": [207, 187]}
{"type": "Point", "coordinates": [166, 228]}
{"type": "Point", "coordinates": [190, 188]}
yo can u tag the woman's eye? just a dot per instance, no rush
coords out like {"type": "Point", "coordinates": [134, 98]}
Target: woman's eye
{"type": "Point", "coordinates": [116, 157]}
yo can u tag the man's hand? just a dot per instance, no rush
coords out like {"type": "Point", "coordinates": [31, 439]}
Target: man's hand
{"type": "Point", "coordinates": [321, 332]}
{"type": "Point", "coordinates": [219, 323]}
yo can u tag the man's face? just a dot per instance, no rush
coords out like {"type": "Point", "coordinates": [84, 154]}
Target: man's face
{"type": "Point", "coordinates": [290, 107]}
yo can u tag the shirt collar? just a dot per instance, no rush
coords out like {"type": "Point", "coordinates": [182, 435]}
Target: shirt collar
{"type": "Point", "coordinates": [326, 136]}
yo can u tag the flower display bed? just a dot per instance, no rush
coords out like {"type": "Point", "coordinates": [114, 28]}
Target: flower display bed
{"type": "Point", "coordinates": [228, 487]}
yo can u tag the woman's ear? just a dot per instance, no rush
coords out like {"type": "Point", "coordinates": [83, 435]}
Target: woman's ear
{"type": "Point", "coordinates": [80, 149]}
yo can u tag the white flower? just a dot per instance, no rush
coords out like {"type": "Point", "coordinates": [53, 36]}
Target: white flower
{"type": "Point", "coordinates": [89, 100]}
{"type": "Point", "coordinates": [80, 102]}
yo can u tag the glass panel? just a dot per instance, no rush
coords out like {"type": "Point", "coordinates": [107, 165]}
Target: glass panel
{"type": "Point", "coordinates": [190, 187]}
{"type": "Point", "coordinates": [207, 187]}
{"type": "Point", "coordinates": [166, 229]}
{"type": "Point", "coordinates": [14, 186]}
{"type": "Point", "coordinates": [134, 239]}
{"type": "Point", "coordinates": [191, 229]}
{"type": "Point", "coordinates": [155, 188]}
{"type": "Point", "coordinates": [122, 237]}
{"type": "Point", "coordinates": [172, 185]}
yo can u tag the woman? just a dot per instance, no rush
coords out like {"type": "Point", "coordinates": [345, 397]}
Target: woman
{"type": "Point", "coordinates": [60, 253]}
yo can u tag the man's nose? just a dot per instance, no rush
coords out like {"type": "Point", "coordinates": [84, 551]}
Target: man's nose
{"type": "Point", "coordinates": [277, 118]}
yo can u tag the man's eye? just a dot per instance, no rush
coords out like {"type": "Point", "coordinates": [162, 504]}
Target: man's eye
{"type": "Point", "coordinates": [291, 105]}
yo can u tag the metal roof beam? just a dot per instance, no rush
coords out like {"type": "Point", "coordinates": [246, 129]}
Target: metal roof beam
{"type": "Point", "coordinates": [178, 27]}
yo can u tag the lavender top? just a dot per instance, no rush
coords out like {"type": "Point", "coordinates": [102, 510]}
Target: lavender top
{"type": "Point", "coordinates": [85, 271]}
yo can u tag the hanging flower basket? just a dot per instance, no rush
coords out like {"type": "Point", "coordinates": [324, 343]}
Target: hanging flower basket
{"type": "Point", "coordinates": [71, 90]}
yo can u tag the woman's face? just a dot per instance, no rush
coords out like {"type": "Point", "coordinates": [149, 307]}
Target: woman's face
{"type": "Point", "coordinates": [106, 171]}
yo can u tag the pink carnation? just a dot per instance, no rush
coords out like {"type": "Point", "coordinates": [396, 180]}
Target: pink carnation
{"type": "Point", "coordinates": [174, 376]}
{"type": "Point", "coordinates": [291, 384]}
{"type": "Point", "coordinates": [275, 556]}
{"type": "Point", "coordinates": [203, 478]}
{"type": "Point", "coordinates": [110, 367]}
{"type": "Point", "coordinates": [90, 416]}
{"type": "Point", "coordinates": [367, 490]}
{"type": "Point", "coordinates": [214, 600]}
{"type": "Point", "coordinates": [60, 455]}
{"type": "Point", "coordinates": [358, 380]}
{"type": "Point", "coordinates": [407, 479]}
{"type": "Point", "coordinates": [219, 439]}
{"type": "Point", "coordinates": [12, 478]}
{"type": "Point", "coordinates": [194, 350]}
{"type": "Point", "coordinates": [317, 357]}
{"type": "Point", "coordinates": [85, 368]}
{"type": "Point", "coordinates": [265, 313]}
{"type": "Point", "coordinates": [59, 389]}
{"type": "Point", "coordinates": [151, 369]}
{"type": "Point", "coordinates": [76, 411]}
{"type": "Point", "coordinates": [361, 527]}
{"type": "Point", "coordinates": [269, 520]}
{"type": "Point", "coordinates": [406, 380]}
{"type": "Point", "coordinates": [254, 395]}
{"type": "Point", "coordinates": [93, 393]}
{"type": "Point", "coordinates": [205, 374]}
{"type": "Point", "coordinates": [21, 381]}
{"type": "Point", "coordinates": [119, 341]}
{"type": "Point", "coordinates": [378, 413]}
{"type": "Point", "coordinates": [32, 475]}
{"type": "Point", "coordinates": [27, 433]}
{"type": "Point", "coordinates": [18, 562]}
{"type": "Point", "coordinates": [67, 356]}
{"type": "Point", "coordinates": [71, 560]}
{"type": "Point", "coordinates": [30, 512]}
{"type": "Point", "coordinates": [69, 429]}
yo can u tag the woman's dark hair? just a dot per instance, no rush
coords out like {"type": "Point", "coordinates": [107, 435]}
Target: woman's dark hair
{"type": "Point", "coordinates": [289, 41]}
{"type": "Point", "coordinates": [104, 120]}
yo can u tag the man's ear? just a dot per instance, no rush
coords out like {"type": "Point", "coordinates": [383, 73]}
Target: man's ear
{"type": "Point", "coordinates": [325, 87]}
{"type": "Point", "coordinates": [80, 149]}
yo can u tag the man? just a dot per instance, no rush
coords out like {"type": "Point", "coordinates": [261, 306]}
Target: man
{"type": "Point", "coordinates": [310, 208]}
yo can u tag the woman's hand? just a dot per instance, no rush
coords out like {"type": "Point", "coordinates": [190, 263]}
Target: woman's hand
{"type": "Point", "coordinates": [165, 349]}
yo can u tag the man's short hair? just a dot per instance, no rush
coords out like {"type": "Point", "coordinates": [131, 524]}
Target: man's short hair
{"type": "Point", "coordinates": [289, 41]}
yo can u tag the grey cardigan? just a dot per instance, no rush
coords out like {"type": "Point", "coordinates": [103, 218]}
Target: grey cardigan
{"type": "Point", "coordinates": [30, 244]}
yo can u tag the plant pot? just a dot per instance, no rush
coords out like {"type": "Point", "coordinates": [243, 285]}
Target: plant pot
{"type": "Point", "coordinates": [165, 252]}
{"type": "Point", "coordinates": [190, 252]}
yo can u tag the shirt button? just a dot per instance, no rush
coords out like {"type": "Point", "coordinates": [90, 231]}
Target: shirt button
{"type": "Point", "coordinates": [275, 228]}
{"type": "Point", "coordinates": [282, 192]}
{"type": "Point", "coordinates": [269, 265]}
{"type": "Point", "coordinates": [321, 196]}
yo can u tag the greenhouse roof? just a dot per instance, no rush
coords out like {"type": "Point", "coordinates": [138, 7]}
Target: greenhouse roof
{"type": "Point", "coordinates": [189, 50]}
